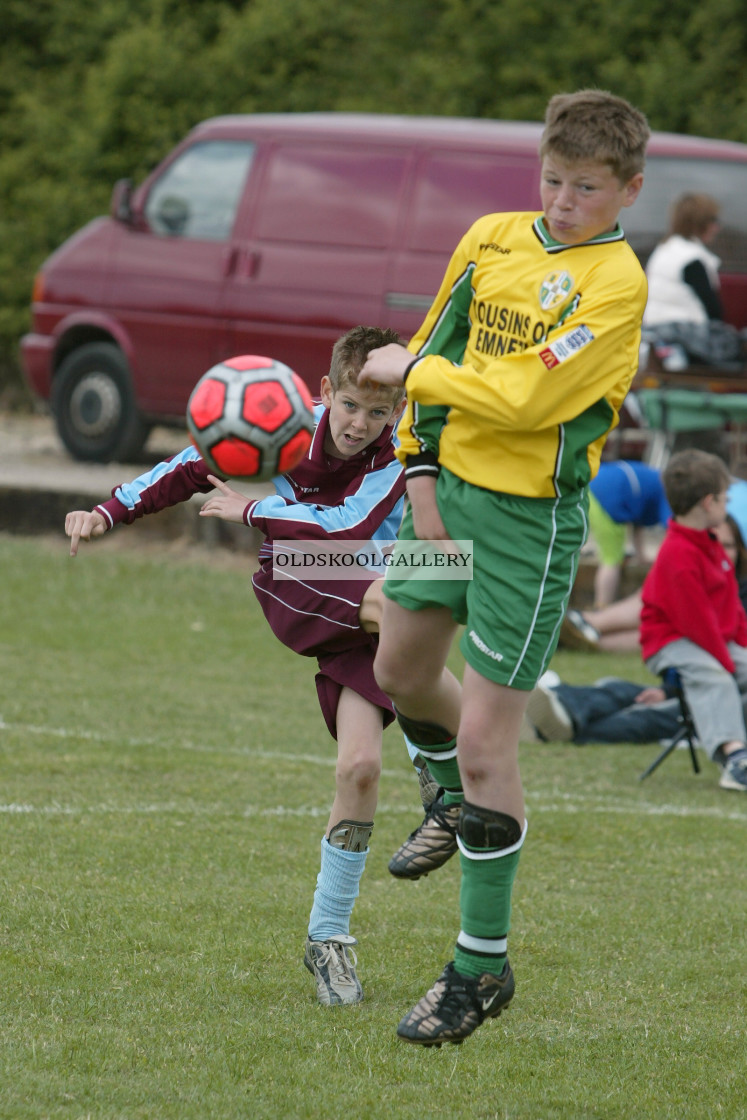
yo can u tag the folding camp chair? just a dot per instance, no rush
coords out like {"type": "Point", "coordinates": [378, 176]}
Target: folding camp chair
{"type": "Point", "coordinates": [672, 682]}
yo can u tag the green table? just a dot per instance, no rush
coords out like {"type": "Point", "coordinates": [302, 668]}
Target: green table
{"type": "Point", "coordinates": [672, 410]}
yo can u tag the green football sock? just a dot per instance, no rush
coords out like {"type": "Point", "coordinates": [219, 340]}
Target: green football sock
{"type": "Point", "coordinates": [444, 770]}
{"type": "Point", "coordinates": [485, 904]}
{"type": "Point", "coordinates": [422, 737]}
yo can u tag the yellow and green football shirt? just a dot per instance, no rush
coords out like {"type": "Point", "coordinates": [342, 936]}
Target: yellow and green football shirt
{"type": "Point", "coordinates": [524, 358]}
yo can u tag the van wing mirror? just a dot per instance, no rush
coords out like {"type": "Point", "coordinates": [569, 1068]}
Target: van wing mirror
{"type": "Point", "coordinates": [120, 207]}
{"type": "Point", "coordinates": [172, 215]}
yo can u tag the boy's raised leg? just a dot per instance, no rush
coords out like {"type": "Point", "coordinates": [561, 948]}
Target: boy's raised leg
{"type": "Point", "coordinates": [427, 699]}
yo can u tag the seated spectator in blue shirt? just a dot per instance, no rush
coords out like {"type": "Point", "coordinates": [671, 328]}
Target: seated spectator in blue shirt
{"type": "Point", "coordinates": [736, 504]}
{"type": "Point", "coordinates": [625, 493]}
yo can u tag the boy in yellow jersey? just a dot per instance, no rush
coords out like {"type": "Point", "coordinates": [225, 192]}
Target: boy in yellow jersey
{"type": "Point", "coordinates": [520, 369]}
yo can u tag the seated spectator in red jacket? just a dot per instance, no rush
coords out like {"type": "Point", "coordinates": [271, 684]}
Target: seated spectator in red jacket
{"type": "Point", "coordinates": [692, 618]}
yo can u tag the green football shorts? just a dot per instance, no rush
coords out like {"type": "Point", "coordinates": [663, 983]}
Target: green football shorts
{"type": "Point", "coordinates": [525, 561]}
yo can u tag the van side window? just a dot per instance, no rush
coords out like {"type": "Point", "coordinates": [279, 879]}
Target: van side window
{"type": "Point", "coordinates": [198, 194]}
{"type": "Point", "coordinates": [351, 196]}
{"type": "Point", "coordinates": [456, 188]}
{"type": "Point", "coordinates": [646, 222]}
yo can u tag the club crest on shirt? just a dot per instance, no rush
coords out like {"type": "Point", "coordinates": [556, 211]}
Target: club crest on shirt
{"type": "Point", "coordinates": [555, 289]}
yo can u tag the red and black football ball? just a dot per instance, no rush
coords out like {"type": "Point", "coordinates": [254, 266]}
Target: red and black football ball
{"type": "Point", "coordinates": [251, 417]}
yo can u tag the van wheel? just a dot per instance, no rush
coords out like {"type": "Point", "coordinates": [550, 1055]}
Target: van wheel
{"type": "Point", "coordinates": [94, 405]}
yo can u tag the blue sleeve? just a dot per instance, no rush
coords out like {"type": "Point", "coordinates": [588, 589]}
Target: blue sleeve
{"type": "Point", "coordinates": [168, 483]}
{"type": "Point", "coordinates": [174, 478]}
{"type": "Point", "coordinates": [376, 504]}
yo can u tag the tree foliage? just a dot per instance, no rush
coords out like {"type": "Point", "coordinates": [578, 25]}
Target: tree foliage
{"type": "Point", "coordinates": [88, 95]}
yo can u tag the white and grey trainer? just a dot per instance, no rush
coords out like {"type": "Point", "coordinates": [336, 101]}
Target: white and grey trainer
{"type": "Point", "coordinates": [332, 964]}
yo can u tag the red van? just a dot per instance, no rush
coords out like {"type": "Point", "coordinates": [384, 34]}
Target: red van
{"type": "Point", "coordinates": [273, 234]}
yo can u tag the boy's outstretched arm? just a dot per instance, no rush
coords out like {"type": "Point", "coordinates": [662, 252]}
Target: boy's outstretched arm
{"type": "Point", "coordinates": [82, 524]}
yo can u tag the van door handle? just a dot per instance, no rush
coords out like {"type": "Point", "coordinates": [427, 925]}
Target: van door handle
{"type": "Point", "coordinates": [405, 301]}
{"type": "Point", "coordinates": [229, 257]}
{"type": "Point", "coordinates": [242, 263]}
{"type": "Point", "coordinates": [251, 263]}
{"type": "Point", "coordinates": [238, 262]}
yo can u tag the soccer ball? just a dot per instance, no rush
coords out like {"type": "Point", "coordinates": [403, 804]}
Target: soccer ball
{"type": "Point", "coordinates": [251, 417]}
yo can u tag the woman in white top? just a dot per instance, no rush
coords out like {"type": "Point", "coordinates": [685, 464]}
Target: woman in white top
{"type": "Point", "coordinates": [683, 283]}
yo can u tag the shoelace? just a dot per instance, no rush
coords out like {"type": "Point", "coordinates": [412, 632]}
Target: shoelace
{"type": "Point", "coordinates": [458, 998]}
{"type": "Point", "coordinates": [435, 814]}
{"type": "Point", "coordinates": [440, 813]}
{"type": "Point", "coordinates": [333, 949]}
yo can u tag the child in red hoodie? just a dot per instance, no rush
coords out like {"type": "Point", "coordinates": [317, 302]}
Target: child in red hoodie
{"type": "Point", "coordinates": [692, 618]}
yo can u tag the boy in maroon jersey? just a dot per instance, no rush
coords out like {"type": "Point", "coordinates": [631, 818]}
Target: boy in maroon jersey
{"type": "Point", "coordinates": [349, 487]}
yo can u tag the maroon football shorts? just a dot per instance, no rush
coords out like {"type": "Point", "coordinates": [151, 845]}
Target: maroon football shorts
{"type": "Point", "coordinates": [320, 619]}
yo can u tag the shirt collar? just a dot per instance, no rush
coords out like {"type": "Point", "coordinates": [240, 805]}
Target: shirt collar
{"type": "Point", "coordinates": [318, 455]}
{"type": "Point", "coordinates": [552, 246]}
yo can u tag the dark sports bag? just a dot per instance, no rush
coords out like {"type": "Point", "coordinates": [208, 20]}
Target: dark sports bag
{"type": "Point", "coordinates": [714, 344]}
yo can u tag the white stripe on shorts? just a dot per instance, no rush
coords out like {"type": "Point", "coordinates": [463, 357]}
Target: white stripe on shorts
{"type": "Point", "coordinates": [538, 603]}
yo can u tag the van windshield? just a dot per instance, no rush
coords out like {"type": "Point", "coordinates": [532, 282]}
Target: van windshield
{"type": "Point", "coordinates": [665, 179]}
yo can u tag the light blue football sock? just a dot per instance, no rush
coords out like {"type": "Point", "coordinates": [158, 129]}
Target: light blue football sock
{"type": "Point", "coordinates": [337, 888]}
{"type": "Point", "coordinates": [412, 749]}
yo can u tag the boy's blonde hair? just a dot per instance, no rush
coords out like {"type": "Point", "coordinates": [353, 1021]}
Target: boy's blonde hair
{"type": "Point", "coordinates": [349, 354]}
{"type": "Point", "coordinates": [692, 475]}
{"type": "Point", "coordinates": [593, 124]}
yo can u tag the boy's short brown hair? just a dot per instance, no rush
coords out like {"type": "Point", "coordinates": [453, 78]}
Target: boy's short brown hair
{"type": "Point", "coordinates": [593, 124]}
{"type": "Point", "coordinates": [692, 475]}
{"type": "Point", "coordinates": [349, 354]}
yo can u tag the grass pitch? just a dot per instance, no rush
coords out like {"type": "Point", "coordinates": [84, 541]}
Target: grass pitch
{"type": "Point", "coordinates": [166, 778]}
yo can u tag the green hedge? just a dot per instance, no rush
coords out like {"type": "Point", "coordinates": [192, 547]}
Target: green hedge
{"type": "Point", "coordinates": [89, 95]}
